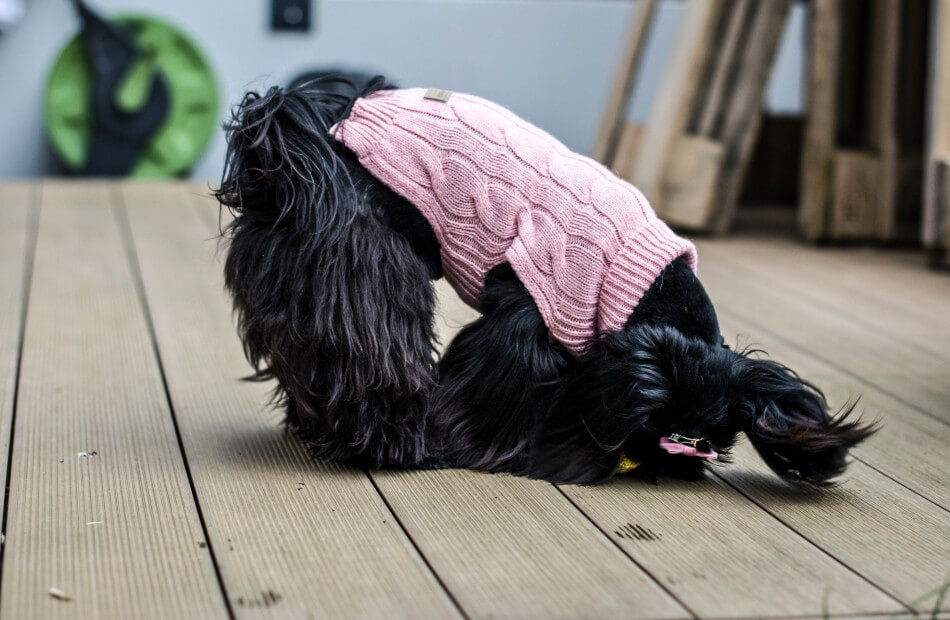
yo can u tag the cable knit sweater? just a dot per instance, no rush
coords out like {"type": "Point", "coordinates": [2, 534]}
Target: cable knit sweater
{"type": "Point", "coordinates": [495, 188]}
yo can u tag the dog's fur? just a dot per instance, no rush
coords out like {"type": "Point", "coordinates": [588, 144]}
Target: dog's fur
{"type": "Point", "coordinates": [331, 274]}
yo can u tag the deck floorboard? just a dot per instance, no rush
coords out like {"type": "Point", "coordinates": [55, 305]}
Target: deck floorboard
{"type": "Point", "coordinates": [879, 357]}
{"type": "Point", "coordinates": [18, 215]}
{"type": "Point", "coordinates": [289, 534]}
{"type": "Point", "coordinates": [100, 509]}
{"type": "Point", "coordinates": [198, 505]}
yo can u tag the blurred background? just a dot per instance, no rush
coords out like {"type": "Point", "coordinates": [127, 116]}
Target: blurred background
{"type": "Point", "coordinates": [551, 62]}
{"type": "Point", "coordinates": [705, 104]}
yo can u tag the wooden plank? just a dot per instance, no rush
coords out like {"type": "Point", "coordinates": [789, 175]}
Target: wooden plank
{"type": "Point", "coordinates": [293, 537]}
{"type": "Point", "coordinates": [517, 548]}
{"type": "Point", "coordinates": [480, 583]}
{"type": "Point", "coordinates": [881, 101]}
{"type": "Point", "coordinates": [609, 136]}
{"type": "Point", "coordinates": [100, 506]}
{"type": "Point", "coordinates": [937, 182]}
{"type": "Point", "coordinates": [867, 96]}
{"type": "Point", "coordinates": [900, 270]}
{"type": "Point", "coordinates": [690, 179]}
{"type": "Point", "coordinates": [675, 99]}
{"type": "Point", "coordinates": [702, 175]}
{"type": "Point", "coordinates": [715, 99]}
{"type": "Point", "coordinates": [939, 101]}
{"type": "Point", "coordinates": [858, 200]}
{"type": "Point", "coordinates": [884, 532]}
{"type": "Point", "coordinates": [439, 516]}
{"type": "Point", "coordinates": [18, 213]}
{"type": "Point", "coordinates": [910, 120]}
{"type": "Point", "coordinates": [938, 227]}
{"type": "Point", "coordinates": [625, 159]}
{"type": "Point", "coordinates": [820, 119]}
{"type": "Point", "coordinates": [911, 374]}
{"type": "Point", "coordinates": [704, 541]}
{"type": "Point", "coordinates": [743, 115]}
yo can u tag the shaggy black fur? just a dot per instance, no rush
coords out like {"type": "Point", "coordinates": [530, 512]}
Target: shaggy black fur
{"type": "Point", "coordinates": [331, 273]}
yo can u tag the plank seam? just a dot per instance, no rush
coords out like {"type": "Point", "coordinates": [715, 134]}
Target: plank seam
{"type": "Point", "coordinates": [415, 546]}
{"type": "Point", "coordinates": [663, 587]}
{"type": "Point", "coordinates": [26, 285]}
{"type": "Point", "coordinates": [128, 243]}
{"type": "Point", "coordinates": [899, 483]}
{"type": "Point", "coordinates": [815, 545]}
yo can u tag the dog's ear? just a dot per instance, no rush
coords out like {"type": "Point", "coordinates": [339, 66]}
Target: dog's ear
{"type": "Point", "coordinates": [789, 422]}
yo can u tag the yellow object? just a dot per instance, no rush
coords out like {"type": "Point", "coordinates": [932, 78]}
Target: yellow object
{"type": "Point", "coordinates": [626, 465]}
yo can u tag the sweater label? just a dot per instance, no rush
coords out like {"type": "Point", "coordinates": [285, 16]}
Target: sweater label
{"type": "Point", "coordinates": [437, 94]}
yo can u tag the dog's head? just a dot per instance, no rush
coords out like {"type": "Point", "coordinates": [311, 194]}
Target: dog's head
{"type": "Point", "coordinates": [687, 388]}
{"type": "Point", "coordinates": [666, 396]}
{"type": "Point", "coordinates": [694, 395]}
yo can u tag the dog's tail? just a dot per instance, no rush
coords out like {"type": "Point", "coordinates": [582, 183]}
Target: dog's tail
{"type": "Point", "coordinates": [281, 161]}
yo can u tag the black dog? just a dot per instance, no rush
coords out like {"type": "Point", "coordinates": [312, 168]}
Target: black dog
{"type": "Point", "coordinates": [331, 273]}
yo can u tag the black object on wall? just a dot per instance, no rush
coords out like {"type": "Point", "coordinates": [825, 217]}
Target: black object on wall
{"type": "Point", "coordinates": [119, 136]}
{"type": "Point", "coordinates": [290, 15]}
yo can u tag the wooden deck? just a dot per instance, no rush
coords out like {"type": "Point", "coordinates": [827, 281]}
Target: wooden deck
{"type": "Point", "coordinates": [144, 480]}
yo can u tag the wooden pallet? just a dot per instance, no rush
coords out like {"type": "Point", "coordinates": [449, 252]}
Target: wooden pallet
{"type": "Point", "coordinates": [862, 151]}
{"type": "Point", "coordinates": [690, 158]}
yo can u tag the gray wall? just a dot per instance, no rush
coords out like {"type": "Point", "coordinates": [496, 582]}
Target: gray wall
{"type": "Point", "coordinates": [549, 61]}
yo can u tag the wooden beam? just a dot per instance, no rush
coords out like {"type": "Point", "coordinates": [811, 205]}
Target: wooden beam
{"type": "Point", "coordinates": [715, 99]}
{"type": "Point", "coordinates": [743, 114]}
{"type": "Point", "coordinates": [881, 100]}
{"type": "Point", "coordinates": [625, 159]}
{"type": "Point", "coordinates": [821, 119]}
{"type": "Point", "coordinates": [606, 146]}
{"type": "Point", "coordinates": [675, 99]}
{"type": "Point", "coordinates": [689, 181]}
{"type": "Point", "coordinates": [936, 224]}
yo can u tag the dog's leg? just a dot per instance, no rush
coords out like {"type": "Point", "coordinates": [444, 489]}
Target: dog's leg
{"type": "Point", "coordinates": [496, 380]}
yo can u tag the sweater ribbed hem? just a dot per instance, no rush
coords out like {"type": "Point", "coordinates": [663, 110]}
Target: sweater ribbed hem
{"type": "Point", "coordinates": [638, 264]}
{"type": "Point", "coordinates": [361, 137]}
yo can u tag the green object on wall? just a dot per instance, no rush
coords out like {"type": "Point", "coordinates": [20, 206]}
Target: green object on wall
{"type": "Point", "coordinates": [192, 118]}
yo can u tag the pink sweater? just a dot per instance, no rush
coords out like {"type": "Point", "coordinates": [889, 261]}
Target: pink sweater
{"type": "Point", "coordinates": [495, 188]}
